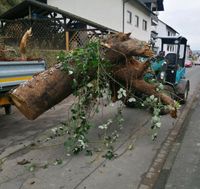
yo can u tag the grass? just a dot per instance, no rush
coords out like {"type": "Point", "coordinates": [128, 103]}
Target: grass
{"type": "Point", "coordinates": [48, 55]}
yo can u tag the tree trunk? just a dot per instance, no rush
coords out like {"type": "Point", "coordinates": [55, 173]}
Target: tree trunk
{"type": "Point", "coordinates": [50, 87]}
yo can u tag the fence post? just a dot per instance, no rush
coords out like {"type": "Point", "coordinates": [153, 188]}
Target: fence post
{"type": "Point", "coordinates": [67, 41]}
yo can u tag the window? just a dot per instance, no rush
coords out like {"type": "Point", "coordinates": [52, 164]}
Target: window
{"type": "Point", "coordinates": [129, 17]}
{"type": "Point", "coordinates": [144, 25]}
{"type": "Point", "coordinates": [168, 47]}
{"type": "Point", "coordinates": [136, 21]}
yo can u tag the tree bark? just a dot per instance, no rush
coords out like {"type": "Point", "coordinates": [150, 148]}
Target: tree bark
{"type": "Point", "coordinates": [50, 87]}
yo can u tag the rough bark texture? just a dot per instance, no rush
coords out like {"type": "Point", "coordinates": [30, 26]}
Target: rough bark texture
{"type": "Point", "coordinates": [120, 46]}
{"type": "Point", "coordinates": [42, 92]}
{"type": "Point", "coordinates": [50, 87]}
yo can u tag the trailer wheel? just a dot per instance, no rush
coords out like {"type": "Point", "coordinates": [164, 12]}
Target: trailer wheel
{"type": "Point", "coordinates": [7, 109]}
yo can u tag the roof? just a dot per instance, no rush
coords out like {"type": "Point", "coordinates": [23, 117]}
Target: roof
{"type": "Point", "coordinates": [143, 5]}
{"type": "Point", "coordinates": [169, 27]}
{"type": "Point", "coordinates": [22, 10]}
{"type": "Point", "coordinates": [160, 6]}
{"type": "Point", "coordinates": [173, 39]}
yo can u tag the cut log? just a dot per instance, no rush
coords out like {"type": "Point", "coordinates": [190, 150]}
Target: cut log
{"type": "Point", "coordinates": [50, 87]}
{"type": "Point", "coordinates": [42, 92]}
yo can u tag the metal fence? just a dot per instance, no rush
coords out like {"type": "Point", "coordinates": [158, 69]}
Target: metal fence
{"type": "Point", "coordinates": [47, 34]}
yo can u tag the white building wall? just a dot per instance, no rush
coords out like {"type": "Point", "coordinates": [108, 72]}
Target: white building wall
{"type": "Point", "coordinates": [108, 13]}
{"type": "Point", "coordinates": [143, 14]}
{"type": "Point", "coordinates": [161, 29]}
{"type": "Point", "coordinates": [163, 32]}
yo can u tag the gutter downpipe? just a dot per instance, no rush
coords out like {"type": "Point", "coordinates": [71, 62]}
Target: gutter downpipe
{"type": "Point", "coordinates": [123, 16]}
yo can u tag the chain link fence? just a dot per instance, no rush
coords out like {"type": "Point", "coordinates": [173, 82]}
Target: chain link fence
{"type": "Point", "coordinates": [48, 34]}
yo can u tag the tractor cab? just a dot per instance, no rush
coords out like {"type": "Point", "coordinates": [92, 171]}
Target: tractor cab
{"type": "Point", "coordinates": [175, 59]}
{"type": "Point", "coordinates": [175, 65]}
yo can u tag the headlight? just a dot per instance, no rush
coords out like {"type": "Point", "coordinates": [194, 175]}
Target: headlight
{"type": "Point", "coordinates": [162, 75]}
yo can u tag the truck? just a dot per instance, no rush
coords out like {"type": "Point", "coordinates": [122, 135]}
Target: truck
{"type": "Point", "coordinates": [14, 73]}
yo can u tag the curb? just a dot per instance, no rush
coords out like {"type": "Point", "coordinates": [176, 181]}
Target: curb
{"type": "Point", "coordinates": [150, 178]}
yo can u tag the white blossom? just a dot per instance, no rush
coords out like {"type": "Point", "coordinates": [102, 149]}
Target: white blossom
{"type": "Point", "coordinates": [158, 124]}
{"type": "Point", "coordinates": [70, 72]}
{"type": "Point", "coordinates": [82, 143]}
{"type": "Point", "coordinates": [90, 85]}
{"type": "Point", "coordinates": [121, 92]}
{"type": "Point", "coordinates": [54, 130]}
{"type": "Point", "coordinates": [132, 100]}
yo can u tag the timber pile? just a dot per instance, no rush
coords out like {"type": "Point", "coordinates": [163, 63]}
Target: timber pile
{"type": "Point", "coordinates": [53, 85]}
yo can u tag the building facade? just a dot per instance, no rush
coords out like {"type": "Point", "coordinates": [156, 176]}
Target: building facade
{"type": "Point", "coordinates": [119, 15]}
{"type": "Point", "coordinates": [164, 30]}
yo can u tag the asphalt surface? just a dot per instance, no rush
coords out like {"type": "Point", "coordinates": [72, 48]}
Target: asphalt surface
{"type": "Point", "coordinates": [17, 136]}
{"type": "Point", "coordinates": [185, 172]}
{"type": "Point", "coordinates": [182, 167]}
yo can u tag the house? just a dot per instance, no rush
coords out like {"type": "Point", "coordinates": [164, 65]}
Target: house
{"type": "Point", "coordinates": [136, 16]}
{"type": "Point", "coordinates": [154, 5]}
{"type": "Point", "coordinates": [120, 15]}
{"type": "Point", "coordinates": [164, 30]}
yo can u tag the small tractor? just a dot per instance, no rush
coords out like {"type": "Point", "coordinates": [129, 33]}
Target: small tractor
{"type": "Point", "coordinates": [170, 68]}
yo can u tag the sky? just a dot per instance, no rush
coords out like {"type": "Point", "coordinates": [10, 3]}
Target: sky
{"type": "Point", "coordinates": [184, 17]}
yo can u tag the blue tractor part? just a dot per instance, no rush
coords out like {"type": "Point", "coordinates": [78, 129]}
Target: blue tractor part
{"type": "Point", "coordinates": [169, 69]}
{"type": "Point", "coordinates": [174, 72]}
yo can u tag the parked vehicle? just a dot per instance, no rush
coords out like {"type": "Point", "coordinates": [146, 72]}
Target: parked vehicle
{"type": "Point", "coordinates": [13, 73]}
{"type": "Point", "coordinates": [197, 63]}
{"type": "Point", "coordinates": [188, 63]}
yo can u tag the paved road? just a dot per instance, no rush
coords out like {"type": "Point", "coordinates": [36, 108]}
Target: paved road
{"type": "Point", "coordinates": [182, 168]}
{"type": "Point", "coordinates": [185, 171]}
{"type": "Point", "coordinates": [78, 171]}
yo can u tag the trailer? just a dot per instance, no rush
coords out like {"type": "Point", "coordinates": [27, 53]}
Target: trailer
{"type": "Point", "coordinates": [13, 73]}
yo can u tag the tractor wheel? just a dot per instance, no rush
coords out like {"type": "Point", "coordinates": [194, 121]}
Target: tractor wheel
{"type": "Point", "coordinates": [183, 97]}
{"type": "Point", "coordinates": [7, 109]}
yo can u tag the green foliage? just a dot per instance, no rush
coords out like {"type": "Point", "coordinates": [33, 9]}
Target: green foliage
{"type": "Point", "coordinates": [89, 92]}
{"type": "Point", "coordinates": [7, 4]}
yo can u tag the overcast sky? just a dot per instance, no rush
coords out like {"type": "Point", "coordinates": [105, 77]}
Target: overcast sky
{"type": "Point", "coordinates": [184, 17]}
